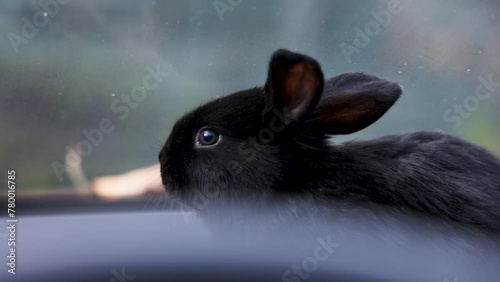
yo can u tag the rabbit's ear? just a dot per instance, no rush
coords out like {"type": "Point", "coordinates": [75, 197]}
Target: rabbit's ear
{"type": "Point", "coordinates": [294, 85]}
{"type": "Point", "coordinates": [354, 101]}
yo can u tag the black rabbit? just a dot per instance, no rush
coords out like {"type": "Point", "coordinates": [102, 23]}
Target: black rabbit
{"type": "Point", "coordinates": [273, 140]}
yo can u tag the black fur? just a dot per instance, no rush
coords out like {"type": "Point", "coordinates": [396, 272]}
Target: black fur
{"type": "Point", "coordinates": [274, 140]}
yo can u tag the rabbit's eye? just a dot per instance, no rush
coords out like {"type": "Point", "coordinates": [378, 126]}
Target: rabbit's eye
{"type": "Point", "coordinates": [207, 137]}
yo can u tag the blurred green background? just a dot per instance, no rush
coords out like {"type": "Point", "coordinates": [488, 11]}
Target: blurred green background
{"type": "Point", "coordinates": [65, 78]}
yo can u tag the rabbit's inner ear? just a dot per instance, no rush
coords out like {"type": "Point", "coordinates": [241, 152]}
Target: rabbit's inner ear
{"type": "Point", "coordinates": [346, 113]}
{"type": "Point", "coordinates": [299, 89]}
{"type": "Point", "coordinates": [295, 84]}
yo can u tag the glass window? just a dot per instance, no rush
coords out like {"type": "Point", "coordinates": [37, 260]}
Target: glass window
{"type": "Point", "coordinates": [112, 77]}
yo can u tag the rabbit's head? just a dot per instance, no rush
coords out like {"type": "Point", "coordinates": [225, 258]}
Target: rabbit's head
{"type": "Point", "coordinates": [255, 142]}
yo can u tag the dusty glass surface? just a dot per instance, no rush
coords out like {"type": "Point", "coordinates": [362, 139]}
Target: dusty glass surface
{"type": "Point", "coordinates": [73, 72]}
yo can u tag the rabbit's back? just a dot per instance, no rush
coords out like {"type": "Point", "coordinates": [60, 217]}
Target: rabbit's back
{"type": "Point", "coordinates": [434, 173]}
